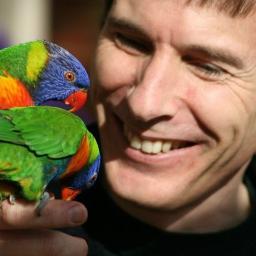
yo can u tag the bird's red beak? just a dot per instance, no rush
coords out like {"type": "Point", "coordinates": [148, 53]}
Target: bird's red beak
{"type": "Point", "coordinates": [76, 100]}
{"type": "Point", "coordinates": [69, 194]}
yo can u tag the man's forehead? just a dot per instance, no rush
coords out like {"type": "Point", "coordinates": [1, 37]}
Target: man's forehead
{"type": "Point", "coordinates": [185, 11]}
{"type": "Point", "coordinates": [233, 8]}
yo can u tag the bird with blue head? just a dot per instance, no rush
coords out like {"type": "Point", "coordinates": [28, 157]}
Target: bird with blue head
{"type": "Point", "coordinates": [38, 71]}
{"type": "Point", "coordinates": [35, 152]}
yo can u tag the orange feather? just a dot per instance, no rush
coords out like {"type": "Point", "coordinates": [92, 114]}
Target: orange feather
{"type": "Point", "coordinates": [79, 160]}
{"type": "Point", "coordinates": [13, 93]}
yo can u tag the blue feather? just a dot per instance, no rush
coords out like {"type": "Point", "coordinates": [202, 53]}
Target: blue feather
{"type": "Point", "coordinates": [85, 178]}
{"type": "Point", "coordinates": [52, 82]}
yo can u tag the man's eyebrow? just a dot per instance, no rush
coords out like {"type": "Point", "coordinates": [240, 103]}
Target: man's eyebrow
{"type": "Point", "coordinates": [124, 24]}
{"type": "Point", "coordinates": [216, 54]}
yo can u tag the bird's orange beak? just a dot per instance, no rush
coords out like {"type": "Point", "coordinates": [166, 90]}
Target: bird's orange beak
{"type": "Point", "coordinates": [76, 100]}
{"type": "Point", "coordinates": [69, 194]}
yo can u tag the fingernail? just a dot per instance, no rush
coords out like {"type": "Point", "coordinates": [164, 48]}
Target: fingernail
{"type": "Point", "coordinates": [76, 214]}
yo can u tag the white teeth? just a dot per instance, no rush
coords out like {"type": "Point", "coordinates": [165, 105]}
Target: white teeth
{"type": "Point", "coordinates": [151, 147]}
{"type": "Point", "coordinates": [147, 146]}
{"type": "Point", "coordinates": [157, 147]}
{"type": "Point", "coordinates": [135, 142]}
{"type": "Point", "coordinates": [166, 147]}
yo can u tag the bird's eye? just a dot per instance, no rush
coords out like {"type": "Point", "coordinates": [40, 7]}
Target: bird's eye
{"type": "Point", "coordinates": [70, 76]}
{"type": "Point", "coordinates": [93, 179]}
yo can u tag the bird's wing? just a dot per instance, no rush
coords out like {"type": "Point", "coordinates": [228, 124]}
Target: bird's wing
{"type": "Point", "coordinates": [13, 93]}
{"type": "Point", "coordinates": [46, 130]}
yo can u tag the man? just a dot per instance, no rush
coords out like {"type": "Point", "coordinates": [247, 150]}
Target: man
{"type": "Point", "coordinates": [175, 98]}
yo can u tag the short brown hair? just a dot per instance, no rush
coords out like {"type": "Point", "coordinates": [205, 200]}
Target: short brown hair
{"type": "Point", "coordinates": [234, 8]}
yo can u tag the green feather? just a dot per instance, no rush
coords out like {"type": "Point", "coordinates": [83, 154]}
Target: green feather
{"type": "Point", "coordinates": [8, 133]}
{"type": "Point", "coordinates": [23, 169]}
{"type": "Point", "coordinates": [94, 149]}
{"type": "Point", "coordinates": [24, 61]}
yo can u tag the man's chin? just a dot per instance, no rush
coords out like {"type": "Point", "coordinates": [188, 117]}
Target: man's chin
{"type": "Point", "coordinates": [138, 189]}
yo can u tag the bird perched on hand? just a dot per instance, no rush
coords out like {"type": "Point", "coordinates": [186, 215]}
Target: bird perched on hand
{"type": "Point", "coordinates": [34, 72]}
{"type": "Point", "coordinates": [39, 145]}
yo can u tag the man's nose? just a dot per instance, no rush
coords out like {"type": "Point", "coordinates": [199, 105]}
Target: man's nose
{"type": "Point", "coordinates": [155, 93]}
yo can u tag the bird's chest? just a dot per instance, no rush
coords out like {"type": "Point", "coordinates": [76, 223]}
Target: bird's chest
{"type": "Point", "coordinates": [13, 93]}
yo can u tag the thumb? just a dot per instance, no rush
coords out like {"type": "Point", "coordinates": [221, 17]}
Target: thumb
{"type": "Point", "coordinates": [56, 214]}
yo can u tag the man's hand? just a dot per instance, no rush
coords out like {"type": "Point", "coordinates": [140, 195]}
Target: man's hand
{"type": "Point", "coordinates": [24, 233]}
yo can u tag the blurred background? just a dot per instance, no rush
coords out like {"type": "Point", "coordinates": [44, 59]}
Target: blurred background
{"type": "Point", "coordinates": [73, 24]}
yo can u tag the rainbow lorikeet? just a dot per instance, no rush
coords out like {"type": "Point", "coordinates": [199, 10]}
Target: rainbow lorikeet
{"type": "Point", "coordinates": [43, 144]}
{"type": "Point", "coordinates": [35, 72]}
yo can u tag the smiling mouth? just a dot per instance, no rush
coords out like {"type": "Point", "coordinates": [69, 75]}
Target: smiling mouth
{"type": "Point", "coordinates": [154, 146]}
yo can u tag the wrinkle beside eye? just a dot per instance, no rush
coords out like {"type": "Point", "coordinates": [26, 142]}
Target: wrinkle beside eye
{"type": "Point", "coordinates": [206, 70]}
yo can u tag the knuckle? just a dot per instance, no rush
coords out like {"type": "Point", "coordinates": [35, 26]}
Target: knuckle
{"type": "Point", "coordinates": [9, 215]}
{"type": "Point", "coordinates": [14, 215]}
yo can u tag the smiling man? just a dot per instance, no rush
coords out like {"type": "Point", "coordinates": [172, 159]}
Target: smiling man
{"type": "Point", "coordinates": [175, 92]}
{"type": "Point", "coordinates": [175, 96]}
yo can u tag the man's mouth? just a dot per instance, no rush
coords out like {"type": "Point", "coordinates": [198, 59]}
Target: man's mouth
{"type": "Point", "coordinates": [154, 146]}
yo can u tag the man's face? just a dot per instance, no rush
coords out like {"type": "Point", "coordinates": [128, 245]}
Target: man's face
{"type": "Point", "coordinates": [175, 90]}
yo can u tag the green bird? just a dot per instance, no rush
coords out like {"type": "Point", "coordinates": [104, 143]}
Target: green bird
{"type": "Point", "coordinates": [43, 144]}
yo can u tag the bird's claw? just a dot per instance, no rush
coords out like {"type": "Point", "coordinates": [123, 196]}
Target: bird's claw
{"type": "Point", "coordinates": [11, 199]}
{"type": "Point", "coordinates": [42, 203]}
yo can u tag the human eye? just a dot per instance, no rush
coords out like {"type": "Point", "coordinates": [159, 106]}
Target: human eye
{"type": "Point", "coordinates": [131, 43]}
{"type": "Point", "coordinates": [209, 69]}
{"type": "Point", "coordinates": [205, 69]}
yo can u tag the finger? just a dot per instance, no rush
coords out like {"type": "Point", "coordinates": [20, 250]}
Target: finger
{"type": "Point", "coordinates": [41, 243]}
{"type": "Point", "coordinates": [56, 214]}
